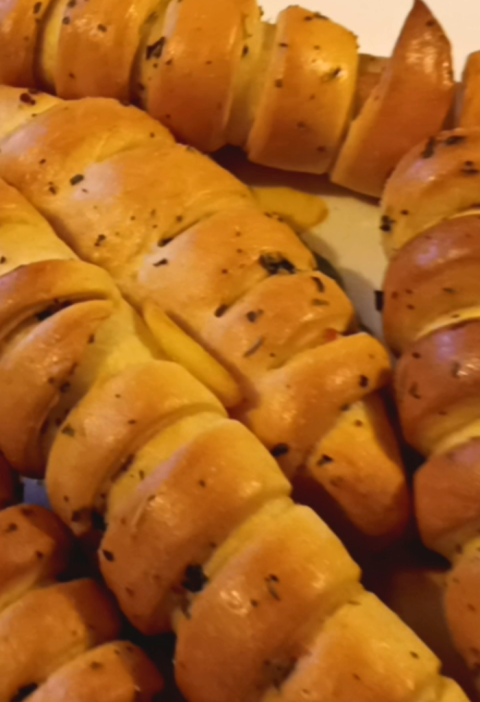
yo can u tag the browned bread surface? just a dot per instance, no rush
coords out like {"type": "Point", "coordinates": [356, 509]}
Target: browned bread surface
{"type": "Point", "coordinates": [116, 672]}
{"type": "Point", "coordinates": [34, 549]}
{"type": "Point", "coordinates": [7, 484]}
{"type": "Point", "coordinates": [48, 627]}
{"type": "Point", "coordinates": [117, 418]}
{"type": "Point", "coordinates": [274, 598]}
{"type": "Point", "coordinates": [462, 604]}
{"type": "Point", "coordinates": [34, 369]}
{"type": "Point", "coordinates": [432, 281]}
{"type": "Point", "coordinates": [308, 94]}
{"type": "Point", "coordinates": [186, 77]}
{"type": "Point", "coordinates": [469, 109]}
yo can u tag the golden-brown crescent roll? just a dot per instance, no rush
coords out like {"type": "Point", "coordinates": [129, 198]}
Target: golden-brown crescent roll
{"type": "Point", "coordinates": [469, 109]}
{"type": "Point", "coordinates": [308, 95]}
{"type": "Point", "coordinates": [432, 318]}
{"type": "Point", "coordinates": [187, 237]}
{"type": "Point", "coordinates": [49, 632]}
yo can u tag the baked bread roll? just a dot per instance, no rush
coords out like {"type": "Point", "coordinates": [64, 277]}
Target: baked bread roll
{"type": "Point", "coordinates": [50, 632]}
{"type": "Point", "coordinates": [214, 73]}
{"type": "Point", "coordinates": [432, 230]}
{"type": "Point", "coordinates": [187, 240]}
{"type": "Point", "coordinates": [200, 532]}
{"type": "Point", "coordinates": [117, 672]}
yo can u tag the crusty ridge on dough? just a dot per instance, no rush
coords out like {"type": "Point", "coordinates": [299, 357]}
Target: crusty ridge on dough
{"type": "Point", "coordinates": [200, 533]}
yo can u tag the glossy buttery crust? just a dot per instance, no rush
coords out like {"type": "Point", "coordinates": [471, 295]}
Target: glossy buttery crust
{"type": "Point", "coordinates": [201, 534]}
{"type": "Point", "coordinates": [53, 637]}
{"type": "Point", "coordinates": [419, 76]}
{"type": "Point", "coordinates": [186, 236]}
{"type": "Point", "coordinates": [431, 228]}
{"type": "Point", "coordinates": [215, 73]}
